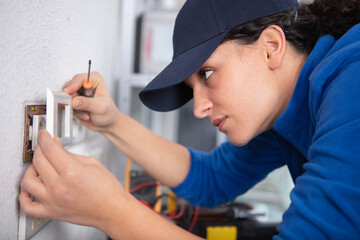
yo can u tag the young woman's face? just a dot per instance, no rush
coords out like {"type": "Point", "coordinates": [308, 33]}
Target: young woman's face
{"type": "Point", "coordinates": [238, 92]}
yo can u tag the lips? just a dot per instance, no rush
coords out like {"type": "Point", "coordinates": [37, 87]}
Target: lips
{"type": "Point", "coordinates": [219, 123]}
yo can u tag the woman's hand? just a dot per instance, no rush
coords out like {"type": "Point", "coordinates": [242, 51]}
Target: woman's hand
{"type": "Point", "coordinates": [97, 113]}
{"type": "Point", "coordinates": [69, 187]}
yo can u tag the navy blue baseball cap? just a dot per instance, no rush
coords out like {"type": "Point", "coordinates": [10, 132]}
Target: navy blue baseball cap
{"type": "Point", "coordinates": [200, 27]}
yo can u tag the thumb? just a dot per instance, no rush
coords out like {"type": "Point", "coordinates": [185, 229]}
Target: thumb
{"type": "Point", "coordinates": [52, 150]}
{"type": "Point", "coordinates": [92, 105]}
{"type": "Point", "coordinates": [58, 141]}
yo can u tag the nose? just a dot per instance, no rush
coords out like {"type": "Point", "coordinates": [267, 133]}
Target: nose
{"type": "Point", "coordinates": [202, 104]}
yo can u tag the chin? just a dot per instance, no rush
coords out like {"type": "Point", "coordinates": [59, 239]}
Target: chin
{"type": "Point", "coordinates": [239, 140]}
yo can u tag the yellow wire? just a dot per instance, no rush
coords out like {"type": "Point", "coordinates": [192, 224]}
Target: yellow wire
{"type": "Point", "coordinates": [127, 175]}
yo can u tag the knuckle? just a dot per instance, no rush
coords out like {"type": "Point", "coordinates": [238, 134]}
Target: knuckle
{"type": "Point", "coordinates": [68, 83]}
{"type": "Point", "coordinates": [67, 172]}
{"type": "Point", "coordinates": [82, 104]}
{"type": "Point", "coordinates": [98, 74]}
{"type": "Point", "coordinates": [36, 157]}
{"type": "Point", "coordinates": [27, 176]}
{"type": "Point", "coordinates": [59, 189]}
{"type": "Point", "coordinates": [77, 78]}
{"type": "Point", "coordinates": [24, 183]}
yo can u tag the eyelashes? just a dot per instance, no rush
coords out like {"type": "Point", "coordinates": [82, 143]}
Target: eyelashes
{"type": "Point", "coordinates": [206, 73]}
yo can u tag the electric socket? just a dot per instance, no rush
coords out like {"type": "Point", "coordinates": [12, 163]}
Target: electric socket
{"type": "Point", "coordinates": [35, 119]}
{"type": "Point", "coordinates": [38, 123]}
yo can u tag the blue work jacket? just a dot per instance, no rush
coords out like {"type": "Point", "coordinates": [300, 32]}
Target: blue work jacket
{"type": "Point", "coordinates": [317, 137]}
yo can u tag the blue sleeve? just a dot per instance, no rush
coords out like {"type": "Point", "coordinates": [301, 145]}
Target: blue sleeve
{"type": "Point", "coordinates": [326, 198]}
{"type": "Point", "coordinates": [228, 170]}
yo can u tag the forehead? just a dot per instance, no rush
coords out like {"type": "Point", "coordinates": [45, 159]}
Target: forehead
{"type": "Point", "coordinates": [224, 51]}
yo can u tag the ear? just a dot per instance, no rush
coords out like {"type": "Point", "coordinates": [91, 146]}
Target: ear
{"type": "Point", "coordinates": [274, 45]}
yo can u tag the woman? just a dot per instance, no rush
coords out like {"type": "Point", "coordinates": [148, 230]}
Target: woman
{"type": "Point", "coordinates": [279, 79]}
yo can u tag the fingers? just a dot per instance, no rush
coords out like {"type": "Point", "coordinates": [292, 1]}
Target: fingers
{"type": "Point", "coordinates": [58, 141]}
{"type": "Point", "coordinates": [32, 184]}
{"type": "Point", "coordinates": [73, 86]}
{"type": "Point", "coordinates": [93, 105]}
{"type": "Point", "coordinates": [31, 207]}
{"type": "Point", "coordinates": [82, 115]}
{"type": "Point", "coordinates": [43, 166]}
{"type": "Point", "coordinates": [57, 156]}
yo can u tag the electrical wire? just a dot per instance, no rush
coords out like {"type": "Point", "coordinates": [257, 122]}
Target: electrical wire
{"type": "Point", "coordinates": [180, 213]}
{"type": "Point", "coordinates": [149, 184]}
{"type": "Point", "coordinates": [196, 214]}
{"type": "Point", "coordinates": [182, 207]}
{"type": "Point", "coordinates": [127, 175]}
{"type": "Point", "coordinates": [190, 215]}
{"type": "Point", "coordinates": [143, 185]}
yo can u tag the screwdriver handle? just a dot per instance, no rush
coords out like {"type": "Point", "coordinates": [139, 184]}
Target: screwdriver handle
{"type": "Point", "coordinates": [87, 90]}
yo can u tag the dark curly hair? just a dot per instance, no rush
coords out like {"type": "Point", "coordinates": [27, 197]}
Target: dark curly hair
{"type": "Point", "coordinates": [303, 26]}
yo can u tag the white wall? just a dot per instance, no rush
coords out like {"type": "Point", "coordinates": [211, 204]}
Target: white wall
{"type": "Point", "coordinates": [43, 43]}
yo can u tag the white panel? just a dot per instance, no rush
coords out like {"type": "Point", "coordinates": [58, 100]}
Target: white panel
{"type": "Point", "coordinates": [59, 121]}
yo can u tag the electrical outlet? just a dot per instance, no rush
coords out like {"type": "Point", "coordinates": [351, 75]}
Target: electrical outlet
{"type": "Point", "coordinates": [38, 123]}
{"type": "Point", "coordinates": [35, 120]}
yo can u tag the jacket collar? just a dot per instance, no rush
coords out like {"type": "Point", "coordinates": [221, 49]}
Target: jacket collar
{"type": "Point", "coordinates": [294, 124]}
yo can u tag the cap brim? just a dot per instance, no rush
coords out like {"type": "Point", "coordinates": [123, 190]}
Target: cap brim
{"type": "Point", "coordinates": [167, 91]}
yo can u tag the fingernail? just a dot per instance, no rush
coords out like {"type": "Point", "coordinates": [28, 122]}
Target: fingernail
{"type": "Point", "coordinates": [57, 140]}
{"type": "Point", "coordinates": [85, 117]}
{"type": "Point", "coordinates": [77, 103]}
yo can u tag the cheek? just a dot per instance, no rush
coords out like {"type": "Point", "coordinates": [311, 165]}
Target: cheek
{"type": "Point", "coordinates": [250, 106]}
{"type": "Point", "coordinates": [254, 90]}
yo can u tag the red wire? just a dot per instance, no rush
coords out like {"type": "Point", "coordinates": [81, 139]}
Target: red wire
{"type": "Point", "coordinates": [193, 222]}
{"type": "Point", "coordinates": [179, 215]}
{"type": "Point", "coordinates": [147, 184]}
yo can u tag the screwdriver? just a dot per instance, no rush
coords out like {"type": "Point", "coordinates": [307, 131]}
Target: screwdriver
{"type": "Point", "coordinates": [87, 86]}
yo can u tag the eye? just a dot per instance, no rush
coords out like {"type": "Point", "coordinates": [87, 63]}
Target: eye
{"type": "Point", "coordinates": [206, 73]}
